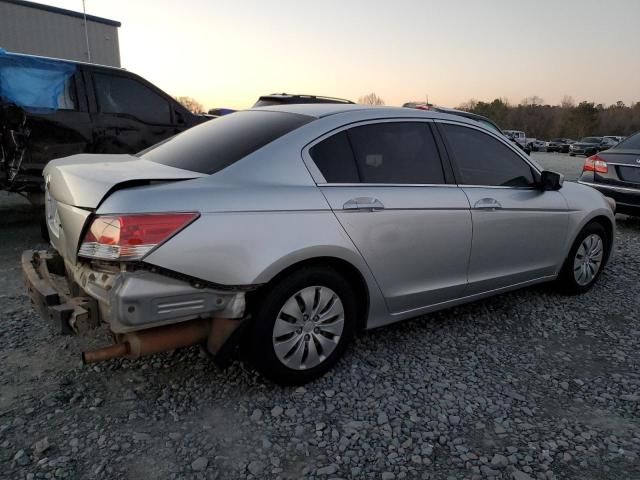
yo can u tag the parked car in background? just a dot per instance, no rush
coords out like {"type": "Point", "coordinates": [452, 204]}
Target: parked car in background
{"type": "Point", "coordinates": [486, 122]}
{"type": "Point", "coordinates": [559, 145]}
{"type": "Point", "coordinates": [590, 145]}
{"type": "Point", "coordinates": [219, 112]}
{"type": "Point", "coordinates": [388, 214]}
{"type": "Point", "coordinates": [539, 146]}
{"type": "Point", "coordinates": [521, 137]}
{"type": "Point", "coordinates": [52, 108]}
{"type": "Point", "coordinates": [616, 174]}
{"type": "Point", "coordinates": [291, 99]}
{"type": "Point", "coordinates": [614, 138]}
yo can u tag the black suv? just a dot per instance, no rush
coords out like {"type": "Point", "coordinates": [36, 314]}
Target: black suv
{"type": "Point", "coordinates": [288, 99]}
{"type": "Point", "coordinates": [52, 108]}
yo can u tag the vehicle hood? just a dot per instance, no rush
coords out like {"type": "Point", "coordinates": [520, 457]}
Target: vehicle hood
{"type": "Point", "coordinates": [84, 180]}
{"type": "Point", "coordinates": [584, 144]}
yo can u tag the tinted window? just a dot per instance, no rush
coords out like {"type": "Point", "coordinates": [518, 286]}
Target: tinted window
{"type": "Point", "coordinates": [630, 143]}
{"type": "Point", "coordinates": [483, 160]}
{"type": "Point", "coordinates": [335, 160]}
{"type": "Point", "coordinates": [127, 96]}
{"type": "Point", "coordinates": [591, 140]}
{"type": "Point", "coordinates": [216, 144]}
{"type": "Point", "coordinates": [402, 152]}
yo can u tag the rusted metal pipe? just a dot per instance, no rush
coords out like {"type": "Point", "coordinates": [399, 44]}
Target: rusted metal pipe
{"type": "Point", "coordinates": [153, 340]}
{"type": "Point", "coordinates": [107, 353]}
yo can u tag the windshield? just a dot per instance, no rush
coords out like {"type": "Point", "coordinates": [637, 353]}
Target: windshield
{"type": "Point", "coordinates": [591, 140]}
{"type": "Point", "coordinates": [216, 144]}
{"type": "Point", "coordinates": [629, 143]}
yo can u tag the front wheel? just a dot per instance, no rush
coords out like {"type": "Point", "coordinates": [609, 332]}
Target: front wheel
{"type": "Point", "coordinates": [303, 325]}
{"type": "Point", "coordinates": [585, 261]}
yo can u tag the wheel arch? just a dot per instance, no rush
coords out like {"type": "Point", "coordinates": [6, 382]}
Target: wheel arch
{"type": "Point", "coordinates": [352, 273]}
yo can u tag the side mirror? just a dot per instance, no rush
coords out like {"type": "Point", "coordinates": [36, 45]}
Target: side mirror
{"type": "Point", "coordinates": [551, 181]}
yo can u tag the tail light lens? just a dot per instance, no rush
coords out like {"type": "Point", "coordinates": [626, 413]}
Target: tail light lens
{"type": "Point", "coordinates": [130, 237]}
{"type": "Point", "coordinates": [595, 164]}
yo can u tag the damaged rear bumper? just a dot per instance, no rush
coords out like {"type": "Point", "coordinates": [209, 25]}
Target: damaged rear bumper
{"type": "Point", "coordinates": [146, 311]}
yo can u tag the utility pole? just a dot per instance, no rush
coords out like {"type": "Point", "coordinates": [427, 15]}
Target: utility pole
{"type": "Point", "coordinates": [86, 31]}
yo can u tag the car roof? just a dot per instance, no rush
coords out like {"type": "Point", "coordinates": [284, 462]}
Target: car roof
{"type": "Point", "coordinates": [321, 110]}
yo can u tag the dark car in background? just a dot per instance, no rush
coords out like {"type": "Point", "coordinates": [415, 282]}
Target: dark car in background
{"type": "Point", "coordinates": [559, 145]}
{"type": "Point", "coordinates": [590, 146]}
{"type": "Point", "coordinates": [616, 174]}
{"type": "Point", "coordinates": [291, 99]}
{"type": "Point", "coordinates": [52, 108]}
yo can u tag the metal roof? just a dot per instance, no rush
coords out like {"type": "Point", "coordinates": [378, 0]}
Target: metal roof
{"type": "Point", "coordinates": [63, 11]}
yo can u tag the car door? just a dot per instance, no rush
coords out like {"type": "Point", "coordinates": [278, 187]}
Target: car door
{"type": "Point", "coordinates": [519, 230]}
{"type": "Point", "coordinates": [128, 115]}
{"type": "Point", "coordinates": [59, 133]}
{"type": "Point", "coordinates": [386, 184]}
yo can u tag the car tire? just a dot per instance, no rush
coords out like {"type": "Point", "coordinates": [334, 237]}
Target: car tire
{"type": "Point", "coordinates": [572, 154]}
{"type": "Point", "coordinates": [586, 260]}
{"type": "Point", "coordinates": [302, 325]}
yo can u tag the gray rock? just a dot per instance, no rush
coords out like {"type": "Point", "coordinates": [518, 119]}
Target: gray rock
{"type": "Point", "coordinates": [276, 411]}
{"type": "Point", "coordinates": [382, 418]}
{"type": "Point", "coordinates": [519, 475]}
{"type": "Point", "coordinates": [388, 476]}
{"type": "Point", "coordinates": [200, 464]}
{"type": "Point", "coordinates": [499, 461]}
{"type": "Point", "coordinates": [41, 446]}
{"type": "Point", "coordinates": [328, 470]}
{"type": "Point", "coordinates": [256, 467]}
{"type": "Point", "coordinates": [256, 415]}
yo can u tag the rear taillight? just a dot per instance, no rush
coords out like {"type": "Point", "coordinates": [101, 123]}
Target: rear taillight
{"type": "Point", "coordinates": [595, 164]}
{"type": "Point", "coordinates": [131, 237]}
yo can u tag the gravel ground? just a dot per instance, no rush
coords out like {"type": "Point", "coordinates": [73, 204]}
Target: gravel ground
{"type": "Point", "coordinates": [526, 385]}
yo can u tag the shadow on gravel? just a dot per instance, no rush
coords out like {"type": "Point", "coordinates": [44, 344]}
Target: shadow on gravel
{"type": "Point", "coordinates": [16, 210]}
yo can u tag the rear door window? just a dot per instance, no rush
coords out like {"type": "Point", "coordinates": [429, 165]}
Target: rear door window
{"type": "Point", "coordinates": [216, 144]}
{"type": "Point", "coordinates": [334, 158]}
{"type": "Point", "coordinates": [483, 160]}
{"type": "Point", "coordinates": [386, 152]}
{"type": "Point", "coordinates": [126, 96]}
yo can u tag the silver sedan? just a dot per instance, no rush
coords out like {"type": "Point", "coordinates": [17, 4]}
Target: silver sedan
{"type": "Point", "coordinates": [286, 230]}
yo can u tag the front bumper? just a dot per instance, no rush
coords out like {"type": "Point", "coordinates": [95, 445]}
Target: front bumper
{"type": "Point", "coordinates": [127, 301]}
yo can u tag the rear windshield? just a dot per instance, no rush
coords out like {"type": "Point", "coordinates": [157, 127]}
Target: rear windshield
{"type": "Point", "coordinates": [630, 143]}
{"type": "Point", "coordinates": [218, 143]}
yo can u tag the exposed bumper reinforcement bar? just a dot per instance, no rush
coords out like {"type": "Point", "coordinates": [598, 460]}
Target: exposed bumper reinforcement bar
{"type": "Point", "coordinates": [147, 312]}
{"type": "Point", "coordinates": [65, 314]}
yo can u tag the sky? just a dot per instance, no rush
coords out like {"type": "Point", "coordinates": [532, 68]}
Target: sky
{"type": "Point", "coordinates": [226, 53]}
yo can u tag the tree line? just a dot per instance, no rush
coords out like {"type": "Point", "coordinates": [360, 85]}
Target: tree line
{"type": "Point", "coordinates": [566, 120]}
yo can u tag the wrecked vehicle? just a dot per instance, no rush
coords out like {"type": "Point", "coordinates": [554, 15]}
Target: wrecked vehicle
{"type": "Point", "coordinates": [53, 108]}
{"type": "Point", "coordinates": [288, 228]}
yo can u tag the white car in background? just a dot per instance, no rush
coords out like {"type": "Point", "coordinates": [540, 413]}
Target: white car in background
{"type": "Point", "coordinates": [520, 137]}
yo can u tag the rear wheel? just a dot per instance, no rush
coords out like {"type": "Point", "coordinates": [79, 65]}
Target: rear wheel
{"type": "Point", "coordinates": [303, 325]}
{"type": "Point", "coordinates": [586, 260]}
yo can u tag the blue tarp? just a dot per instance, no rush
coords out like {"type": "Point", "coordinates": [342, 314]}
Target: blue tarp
{"type": "Point", "coordinates": [33, 83]}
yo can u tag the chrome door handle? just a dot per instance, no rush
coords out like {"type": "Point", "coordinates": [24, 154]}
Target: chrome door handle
{"type": "Point", "coordinates": [363, 203]}
{"type": "Point", "coordinates": [487, 204]}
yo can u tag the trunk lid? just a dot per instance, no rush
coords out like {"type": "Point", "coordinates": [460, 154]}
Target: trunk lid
{"type": "Point", "coordinates": [624, 168]}
{"type": "Point", "coordinates": [76, 185]}
{"type": "Point", "coordinates": [84, 180]}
